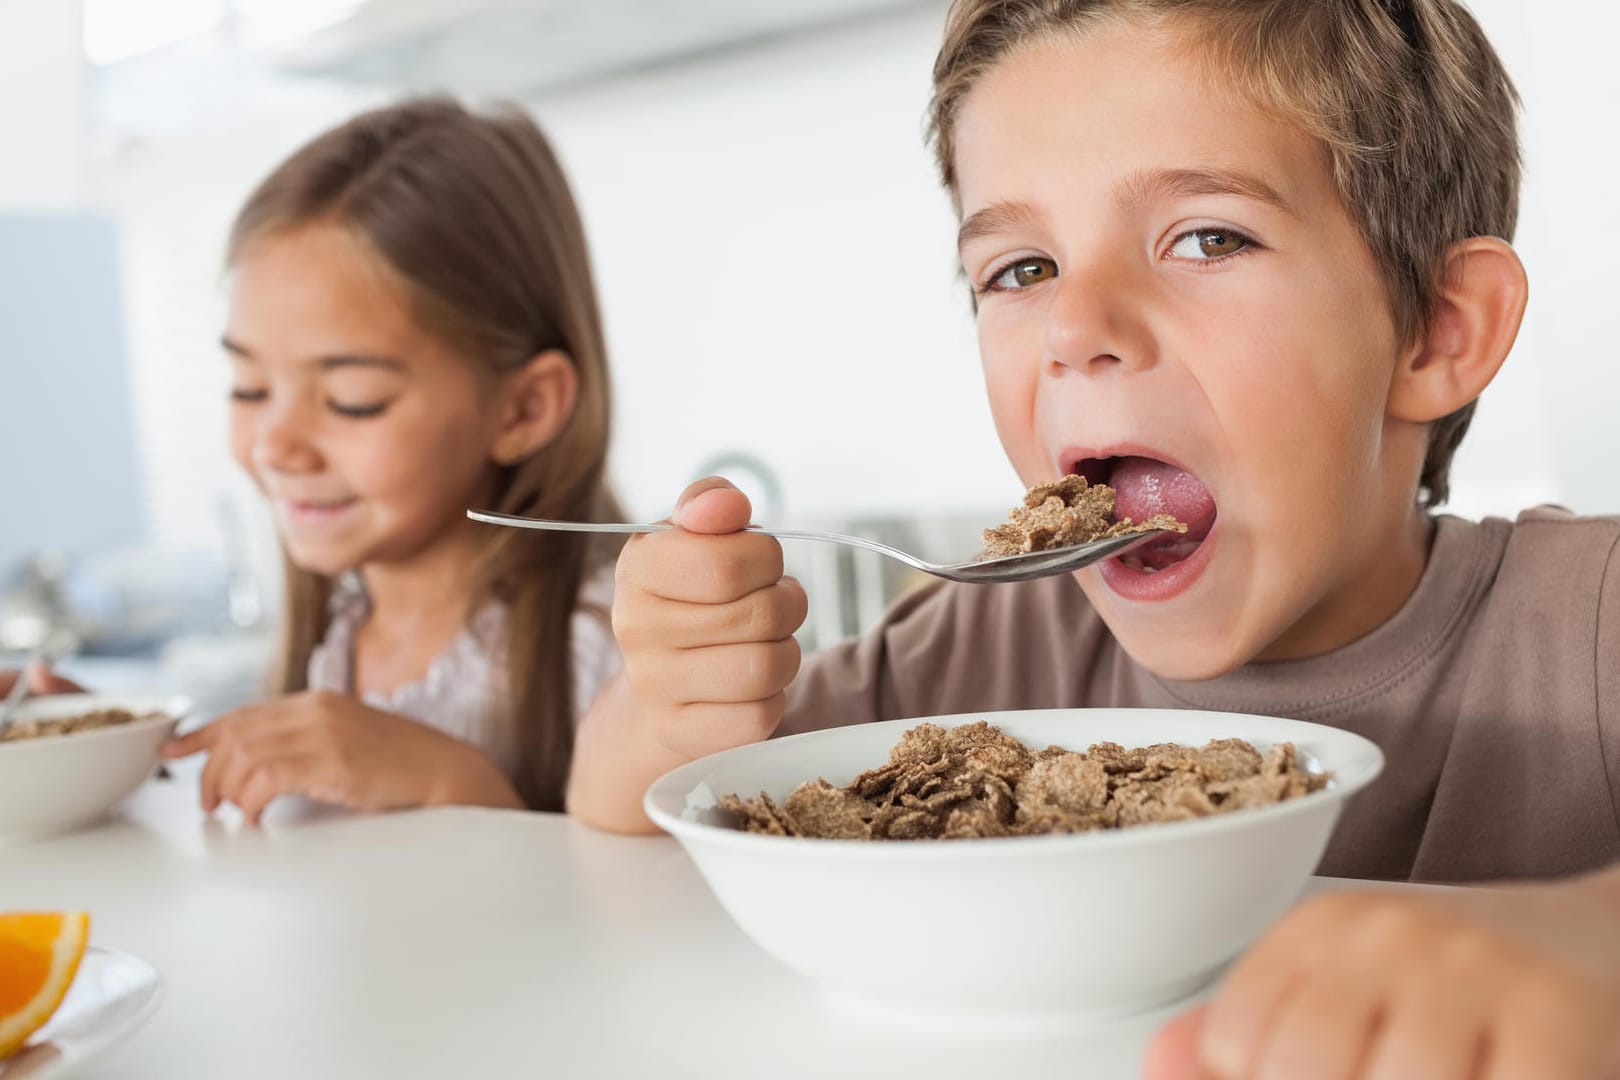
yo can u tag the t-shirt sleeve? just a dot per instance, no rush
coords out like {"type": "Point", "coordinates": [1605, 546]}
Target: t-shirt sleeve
{"type": "Point", "coordinates": [951, 648]}
{"type": "Point", "coordinates": [855, 682]}
{"type": "Point", "coordinates": [1608, 671]}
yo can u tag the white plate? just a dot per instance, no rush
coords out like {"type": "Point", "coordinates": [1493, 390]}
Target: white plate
{"type": "Point", "coordinates": [112, 995]}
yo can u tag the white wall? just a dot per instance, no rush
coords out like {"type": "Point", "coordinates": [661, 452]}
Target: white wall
{"type": "Point", "coordinates": [1571, 86]}
{"type": "Point", "coordinates": [41, 123]}
{"type": "Point", "coordinates": [1546, 428]}
{"type": "Point", "coordinates": [778, 267]}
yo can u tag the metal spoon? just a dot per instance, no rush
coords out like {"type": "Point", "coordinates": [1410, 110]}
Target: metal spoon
{"type": "Point", "coordinates": [1032, 564]}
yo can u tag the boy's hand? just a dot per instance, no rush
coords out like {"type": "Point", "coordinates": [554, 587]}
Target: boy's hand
{"type": "Point", "coordinates": [1478, 983]}
{"type": "Point", "coordinates": [333, 748]}
{"type": "Point", "coordinates": [705, 621]}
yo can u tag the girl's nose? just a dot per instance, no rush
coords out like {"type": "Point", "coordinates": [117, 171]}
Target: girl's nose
{"type": "Point", "coordinates": [283, 439]}
{"type": "Point", "coordinates": [1097, 323]}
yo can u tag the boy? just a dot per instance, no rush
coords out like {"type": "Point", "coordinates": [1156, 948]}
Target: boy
{"type": "Point", "coordinates": [1246, 261]}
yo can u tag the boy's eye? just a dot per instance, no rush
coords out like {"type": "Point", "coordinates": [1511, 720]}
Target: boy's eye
{"type": "Point", "coordinates": [1021, 274]}
{"type": "Point", "coordinates": [248, 396]}
{"type": "Point", "coordinates": [358, 412]}
{"type": "Point", "coordinates": [1208, 244]}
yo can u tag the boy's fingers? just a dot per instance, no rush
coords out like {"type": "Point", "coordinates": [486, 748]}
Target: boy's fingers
{"type": "Point", "coordinates": [1435, 1028]}
{"type": "Point", "coordinates": [1323, 1027]}
{"type": "Point", "coordinates": [694, 731]}
{"type": "Point", "coordinates": [1258, 985]}
{"type": "Point", "coordinates": [699, 569]}
{"type": "Point", "coordinates": [642, 620]}
{"type": "Point", "coordinates": [1173, 1053]}
{"type": "Point", "coordinates": [712, 505]}
{"type": "Point", "coordinates": [715, 674]}
{"type": "Point", "coordinates": [1550, 1028]}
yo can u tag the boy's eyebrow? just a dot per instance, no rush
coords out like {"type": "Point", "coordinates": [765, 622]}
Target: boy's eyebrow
{"type": "Point", "coordinates": [326, 363]}
{"type": "Point", "coordinates": [1139, 187]}
{"type": "Point", "coordinates": [994, 218]}
{"type": "Point", "coordinates": [1172, 183]}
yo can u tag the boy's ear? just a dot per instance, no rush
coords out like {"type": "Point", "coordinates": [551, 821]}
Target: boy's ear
{"type": "Point", "coordinates": [1475, 320]}
{"type": "Point", "coordinates": [537, 400]}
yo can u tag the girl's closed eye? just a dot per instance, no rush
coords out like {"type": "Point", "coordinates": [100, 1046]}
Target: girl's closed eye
{"type": "Point", "coordinates": [1021, 273]}
{"type": "Point", "coordinates": [1210, 244]}
{"type": "Point", "coordinates": [248, 395]}
{"type": "Point", "coordinates": [359, 411]}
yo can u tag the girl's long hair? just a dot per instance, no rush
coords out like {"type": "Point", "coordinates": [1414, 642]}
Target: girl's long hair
{"type": "Point", "coordinates": [473, 214]}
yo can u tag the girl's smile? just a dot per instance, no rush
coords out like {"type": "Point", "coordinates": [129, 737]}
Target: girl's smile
{"type": "Point", "coordinates": [308, 514]}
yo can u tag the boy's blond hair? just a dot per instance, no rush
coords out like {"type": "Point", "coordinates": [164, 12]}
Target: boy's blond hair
{"type": "Point", "coordinates": [1413, 106]}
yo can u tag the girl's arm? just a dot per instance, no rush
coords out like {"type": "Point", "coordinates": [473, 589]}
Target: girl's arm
{"type": "Point", "coordinates": [333, 748]}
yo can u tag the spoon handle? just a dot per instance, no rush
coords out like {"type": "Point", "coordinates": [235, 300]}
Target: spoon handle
{"type": "Point", "coordinates": [495, 518]}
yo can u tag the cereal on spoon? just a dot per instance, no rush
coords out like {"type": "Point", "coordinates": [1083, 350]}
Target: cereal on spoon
{"type": "Point", "coordinates": [1064, 513]}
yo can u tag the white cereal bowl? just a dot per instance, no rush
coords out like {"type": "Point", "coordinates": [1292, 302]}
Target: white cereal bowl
{"type": "Point", "coordinates": [54, 783]}
{"type": "Point", "coordinates": [1023, 928]}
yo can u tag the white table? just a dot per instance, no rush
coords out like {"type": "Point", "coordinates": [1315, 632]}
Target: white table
{"type": "Point", "coordinates": [469, 943]}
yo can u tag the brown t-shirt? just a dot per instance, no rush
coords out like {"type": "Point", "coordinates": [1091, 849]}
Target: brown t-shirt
{"type": "Point", "coordinates": [1494, 693]}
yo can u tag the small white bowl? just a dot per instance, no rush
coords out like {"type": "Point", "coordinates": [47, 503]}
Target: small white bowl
{"type": "Point", "coordinates": [1023, 928]}
{"type": "Point", "coordinates": [53, 783]}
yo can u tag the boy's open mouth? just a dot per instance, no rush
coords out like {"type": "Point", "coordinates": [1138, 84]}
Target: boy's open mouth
{"type": "Point", "coordinates": [1144, 486]}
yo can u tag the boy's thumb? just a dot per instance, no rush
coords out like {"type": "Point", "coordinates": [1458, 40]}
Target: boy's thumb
{"type": "Point", "coordinates": [712, 505]}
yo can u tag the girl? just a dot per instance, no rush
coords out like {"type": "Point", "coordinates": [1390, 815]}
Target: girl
{"type": "Point", "coordinates": [413, 331]}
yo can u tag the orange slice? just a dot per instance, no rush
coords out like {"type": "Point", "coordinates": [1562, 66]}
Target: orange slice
{"type": "Point", "coordinates": [39, 955]}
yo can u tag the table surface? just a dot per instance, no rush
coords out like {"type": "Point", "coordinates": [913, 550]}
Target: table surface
{"type": "Point", "coordinates": [463, 942]}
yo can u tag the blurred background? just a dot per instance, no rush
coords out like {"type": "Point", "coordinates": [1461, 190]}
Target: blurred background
{"type": "Point", "coordinates": [773, 253]}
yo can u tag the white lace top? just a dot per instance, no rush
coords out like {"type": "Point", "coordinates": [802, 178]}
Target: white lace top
{"type": "Point", "coordinates": [464, 689]}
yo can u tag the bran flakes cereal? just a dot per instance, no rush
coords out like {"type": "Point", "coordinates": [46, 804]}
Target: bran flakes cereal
{"type": "Point", "coordinates": [1061, 514]}
{"type": "Point", "coordinates": [67, 725]}
{"type": "Point", "coordinates": [977, 781]}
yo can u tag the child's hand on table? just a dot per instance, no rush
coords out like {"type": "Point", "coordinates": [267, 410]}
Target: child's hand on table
{"type": "Point", "coordinates": [331, 747]}
{"type": "Point", "coordinates": [41, 681]}
{"type": "Point", "coordinates": [705, 621]}
{"type": "Point", "coordinates": [1489, 983]}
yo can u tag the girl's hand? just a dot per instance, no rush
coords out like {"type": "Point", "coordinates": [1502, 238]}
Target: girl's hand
{"type": "Point", "coordinates": [1478, 983]}
{"type": "Point", "coordinates": [330, 747]}
{"type": "Point", "coordinates": [41, 680]}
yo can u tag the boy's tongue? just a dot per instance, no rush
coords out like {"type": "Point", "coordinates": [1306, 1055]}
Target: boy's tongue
{"type": "Point", "coordinates": [1144, 487]}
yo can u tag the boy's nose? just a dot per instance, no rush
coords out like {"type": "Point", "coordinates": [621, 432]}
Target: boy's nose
{"type": "Point", "coordinates": [1093, 325]}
